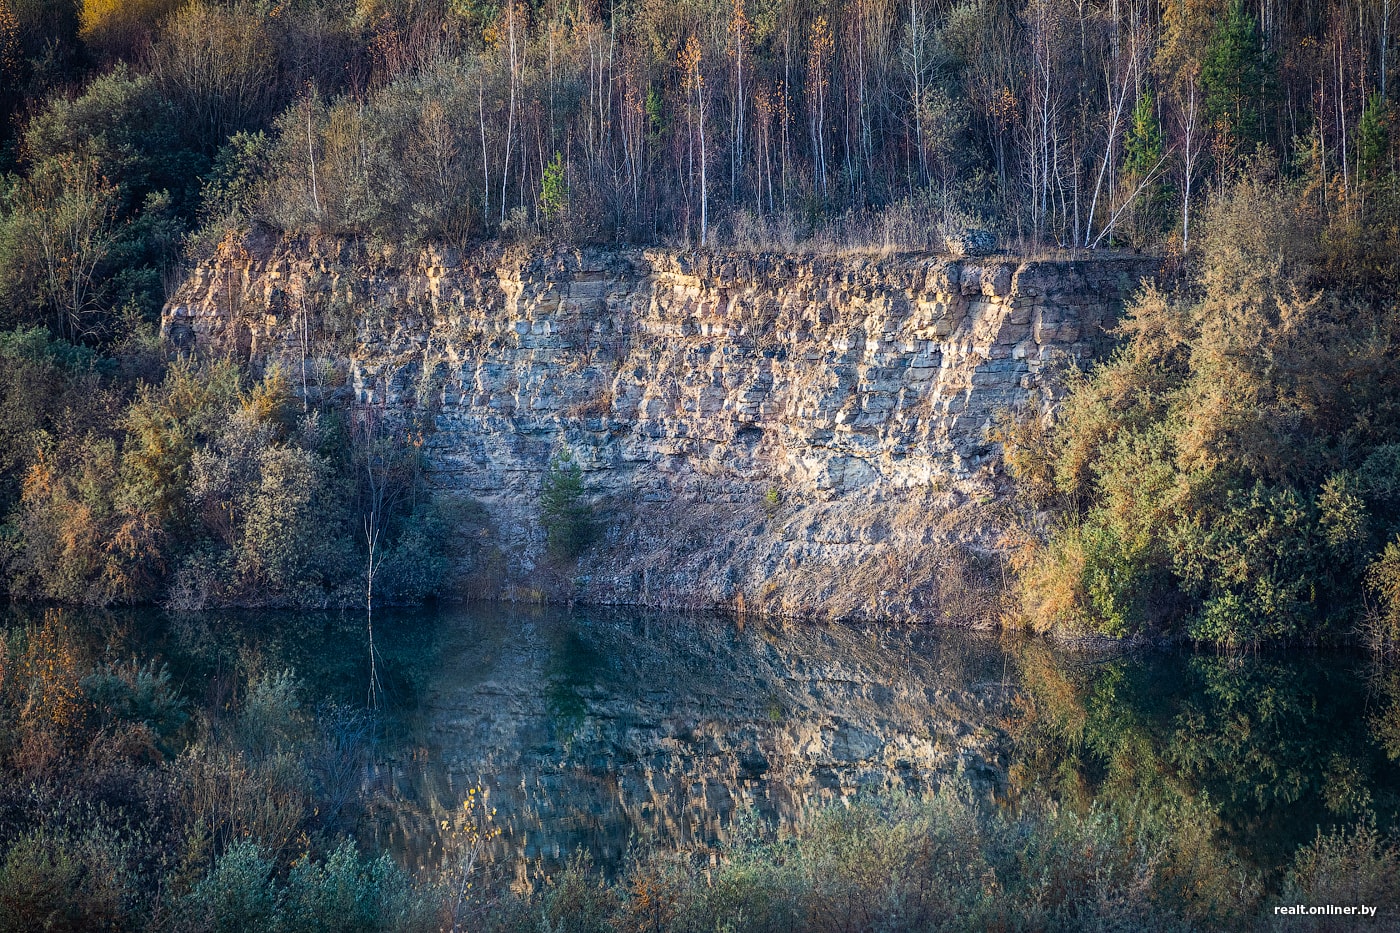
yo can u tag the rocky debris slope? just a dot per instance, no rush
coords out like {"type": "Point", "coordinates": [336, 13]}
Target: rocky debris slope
{"type": "Point", "coordinates": [801, 435]}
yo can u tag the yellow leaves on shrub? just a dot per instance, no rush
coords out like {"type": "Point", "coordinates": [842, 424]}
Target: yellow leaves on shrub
{"type": "Point", "coordinates": [120, 27]}
{"type": "Point", "coordinates": [97, 15]}
{"type": "Point", "coordinates": [41, 672]}
{"type": "Point", "coordinates": [38, 481]}
{"type": "Point", "coordinates": [164, 425]}
{"type": "Point", "coordinates": [84, 540]}
{"type": "Point", "coordinates": [134, 554]}
{"type": "Point", "coordinates": [270, 399]}
{"type": "Point", "coordinates": [11, 52]}
{"type": "Point", "coordinates": [1026, 452]}
{"type": "Point", "coordinates": [53, 668]}
{"type": "Point", "coordinates": [1381, 625]}
{"type": "Point", "coordinates": [1053, 595]}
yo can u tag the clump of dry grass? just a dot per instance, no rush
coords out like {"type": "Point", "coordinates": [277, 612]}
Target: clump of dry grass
{"type": "Point", "coordinates": [596, 406]}
{"type": "Point", "coordinates": [904, 226]}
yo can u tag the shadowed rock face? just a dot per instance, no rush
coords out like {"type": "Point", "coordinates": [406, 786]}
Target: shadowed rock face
{"type": "Point", "coordinates": [600, 729]}
{"type": "Point", "coordinates": [802, 436]}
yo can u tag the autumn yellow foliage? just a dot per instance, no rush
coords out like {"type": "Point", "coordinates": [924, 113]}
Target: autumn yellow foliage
{"type": "Point", "coordinates": [122, 26]}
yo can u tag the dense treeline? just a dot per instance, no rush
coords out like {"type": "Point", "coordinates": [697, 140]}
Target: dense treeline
{"type": "Point", "coordinates": [1230, 473]}
{"type": "Point", "coordinates": [1051, 121]}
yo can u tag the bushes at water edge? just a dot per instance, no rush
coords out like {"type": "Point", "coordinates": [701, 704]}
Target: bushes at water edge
{"type": "Point", "coordinates": [1233, 470]}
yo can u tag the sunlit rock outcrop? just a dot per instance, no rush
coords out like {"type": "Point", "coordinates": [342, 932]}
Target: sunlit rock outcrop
{"type": "Point", "coordinates": [791, 435]}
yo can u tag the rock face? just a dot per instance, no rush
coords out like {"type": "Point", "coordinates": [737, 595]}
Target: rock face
{"type": "Point", "coordinates": [773, 433]}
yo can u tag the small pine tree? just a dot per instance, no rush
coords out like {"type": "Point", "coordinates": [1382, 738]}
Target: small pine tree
{"type": "Point", "coordinates": [1143, 149]}
{"type": "Point", "coordinates": [656, 117]}
{"type": "Point", "coordinates": [554, 197]}
{"type": "Point", "coordinates": [1374, 137]}
{"type": "Point", "coordinates": [1234, 74]}
{"type": "Point", "coordinates": [565, 512]}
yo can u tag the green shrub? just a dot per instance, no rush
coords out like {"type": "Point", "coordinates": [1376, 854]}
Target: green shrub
{"type": "Point", "coordinates": [352, 894]}
{"type": "Point", "coordinates": [46, 385]}
{"type": "Point", "coordinates": [1382, 625]}
{"type": "Point", "coordinates": [123, 123]}
{"type": "Point", "coordinates": [1228, 473]}
{"type": "Point", "coordinates": [128, 692]}
{"type": "Point", "coordinates": [74, 536]}
{"type": "Point", "coordinates": [272, 718]}
{"type": "Point", "coordinates": [417, 558]}
{"type": "Point", "coordinates": [237, 895]}
{"type": "Point", "coordinates": [341, 891]}
{"type": "Point", "coordinates": [1254, 560]}
{"type": "Point", "coordinates": [1087, 579]}
{"type": "Point", "coordinates": [285, 547]}
{"type": "Point", "coordinates": [58, 882]}
{"type": "Point", "coordinates": [231, 191]}
{"type": "Point", "coordinates": [579, 900]}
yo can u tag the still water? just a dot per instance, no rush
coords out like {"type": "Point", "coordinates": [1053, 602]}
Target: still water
{"type": "Point", "coordinates": [602, 731]}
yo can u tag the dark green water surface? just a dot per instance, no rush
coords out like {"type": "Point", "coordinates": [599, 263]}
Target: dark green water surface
{"type": "Point", "coordinates": [605, 730]}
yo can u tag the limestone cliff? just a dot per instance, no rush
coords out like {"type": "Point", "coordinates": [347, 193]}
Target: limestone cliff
{"type": "Point", "coordinates": [800, 435]}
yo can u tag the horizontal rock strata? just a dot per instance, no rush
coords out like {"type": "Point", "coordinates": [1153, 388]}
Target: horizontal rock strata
{"type": "Point", "coordinates": [801, 435]}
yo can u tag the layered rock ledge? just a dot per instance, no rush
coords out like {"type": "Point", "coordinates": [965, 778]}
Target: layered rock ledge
{"type": "Point", "coordinates": [795, 435]}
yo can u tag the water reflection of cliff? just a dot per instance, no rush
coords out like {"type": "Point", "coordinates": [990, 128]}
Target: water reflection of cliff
{"type": "Point", "coordinates": [599, 730]}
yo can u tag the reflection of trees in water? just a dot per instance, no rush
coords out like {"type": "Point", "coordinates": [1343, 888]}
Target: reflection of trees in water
{"type": "Point", "coordinates": [610, 730]}
{"type": "Point", "coordinates": [1384, 684]}
{"type": "Point", "coordinates": [1265, 751]}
